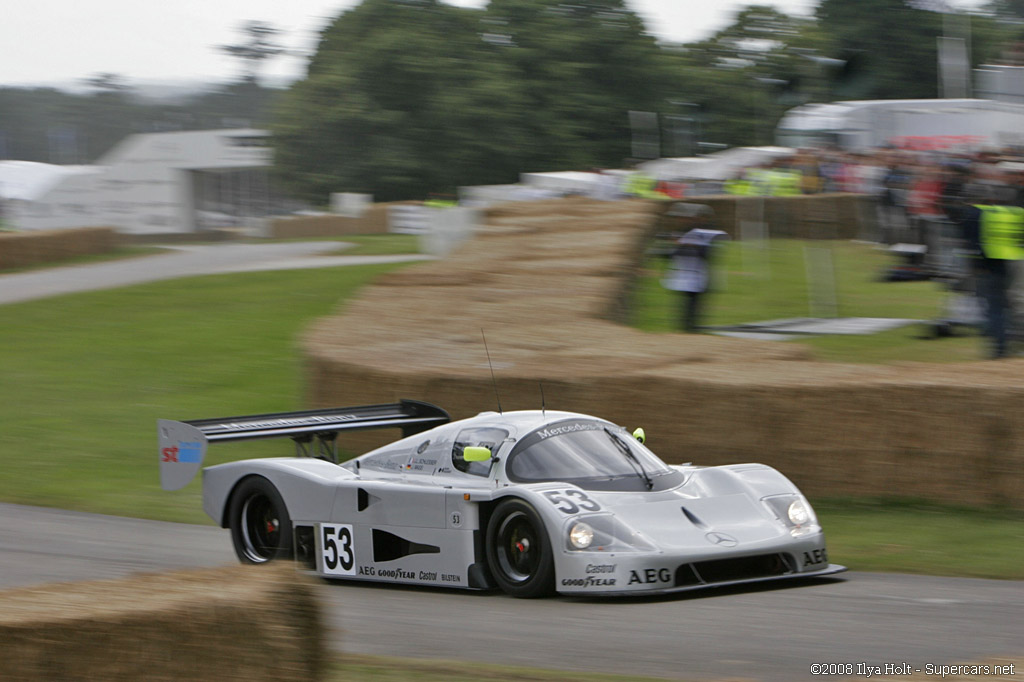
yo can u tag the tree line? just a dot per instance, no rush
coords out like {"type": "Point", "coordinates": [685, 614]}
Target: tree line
{"type": "Point", "coordinates": [404, 98]}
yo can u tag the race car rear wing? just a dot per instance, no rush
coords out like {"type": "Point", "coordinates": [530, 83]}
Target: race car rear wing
{"type": "Point", "coordinates": [183, 443]}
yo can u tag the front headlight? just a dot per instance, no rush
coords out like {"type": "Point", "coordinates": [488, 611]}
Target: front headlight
{"type": "Point", "coordinates": [603, 533]}
{"type": "Point", "coordinates": [798, 513]}
{"type": "Point", "coordinates": [581, 535]}
{"type": "Point", "coordinates": [795, 512]}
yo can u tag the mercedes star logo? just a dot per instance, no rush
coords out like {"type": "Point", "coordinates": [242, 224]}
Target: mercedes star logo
{"type": "Point", "coordinates": [721, 539]}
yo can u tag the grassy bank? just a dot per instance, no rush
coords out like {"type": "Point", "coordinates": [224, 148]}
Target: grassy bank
{"type": "Point", "coordinates": [914, 537]}
{"type": "Point", "coordinates": [770, 281]}
{"type": "Point", "coordinates": [86, 376]}
{"type": "Point", "coordinates": [353, 668]}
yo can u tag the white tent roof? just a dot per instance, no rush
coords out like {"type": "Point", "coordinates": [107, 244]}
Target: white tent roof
{"type": "Point", "coordinates": [29, 180]}
{"type": "Point", "coordinates": [718, 166]}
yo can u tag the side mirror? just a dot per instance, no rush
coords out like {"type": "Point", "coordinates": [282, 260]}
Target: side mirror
{"type": "Point", "coordinates": [476, 454]}
{"type": "Point", "coordinates": [640, 435]}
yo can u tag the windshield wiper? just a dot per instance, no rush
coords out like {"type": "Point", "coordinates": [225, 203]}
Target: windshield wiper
{"type": "Point", "coordinates": [631, 456]}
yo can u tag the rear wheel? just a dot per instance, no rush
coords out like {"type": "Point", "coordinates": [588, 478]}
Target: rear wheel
{"type": "Point", "coordinates": [519, 552]}
{"type": "Point", "coordinates": [261, 529]}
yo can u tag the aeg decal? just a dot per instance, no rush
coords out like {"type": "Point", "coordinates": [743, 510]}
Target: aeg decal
{"type": "Point", "coordinates": [649, 576]}
{"type": "Point", "coordinates": [404, 574]}
{"type": "Point", "coordinates": [818, 556]}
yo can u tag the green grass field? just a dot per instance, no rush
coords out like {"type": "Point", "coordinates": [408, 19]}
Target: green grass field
{"type": "Point", "coordinates": [379, 244]}
{"type": "Point", "coordinates": [86, 376]}
{"type": "Point", "coordinates": [916, 537]}
{"type": "Point", "coordinates": [769, 281]}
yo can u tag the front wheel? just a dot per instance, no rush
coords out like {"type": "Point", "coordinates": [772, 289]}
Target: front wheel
{"type": "Point", "coordinates": [519, 552]}
{"type": "Point", "coordinates": [261, 529]}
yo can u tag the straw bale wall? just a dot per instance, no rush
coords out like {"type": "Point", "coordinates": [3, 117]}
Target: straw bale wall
{"type": "Point", "coordinates": [544, 280]}
{"type": "Point", "coordinates": [234, 623]}
{"type": "Point", "coordinates": [373, 221]}
{"type": "Point", "coordinates": [22, 249]}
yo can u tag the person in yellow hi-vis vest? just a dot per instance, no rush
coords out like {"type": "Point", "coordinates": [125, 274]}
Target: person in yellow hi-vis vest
{"type": "Point", "coordinates": [994, 234]}
{"type": "Point", "coordinates": [787, 182]}
{"type": "Point", "coordinates": [738, 185]}
{"type": "Point", "coordinates": [642, 185]}
{"type": "Point", "coordinates": [760, 181]}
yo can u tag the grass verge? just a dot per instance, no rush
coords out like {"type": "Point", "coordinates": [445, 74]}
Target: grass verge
{"type": "Point", "coordinates": [916, 537]}
{"type": "Point", "coordinates": [85, 377]}
{"type": "Point", "coordinates": [353, 668]}
{"type": "Point", "coordinates": [770, 281]}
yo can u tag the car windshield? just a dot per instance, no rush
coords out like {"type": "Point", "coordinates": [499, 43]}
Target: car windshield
{"type": "Point", "coordinates": [588, 453]}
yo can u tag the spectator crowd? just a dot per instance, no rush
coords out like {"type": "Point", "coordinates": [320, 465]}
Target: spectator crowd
{"type": "Point", "coordinates": [965, 212]}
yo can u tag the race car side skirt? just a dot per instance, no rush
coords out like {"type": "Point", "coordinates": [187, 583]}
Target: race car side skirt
{"type": "Point", "coordinates": [830, 570]}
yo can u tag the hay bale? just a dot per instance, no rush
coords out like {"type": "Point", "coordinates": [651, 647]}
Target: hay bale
{"type": "Point", "coordinates": [234, 623]}
{"type": "Point", "coordinates": [23, 249]}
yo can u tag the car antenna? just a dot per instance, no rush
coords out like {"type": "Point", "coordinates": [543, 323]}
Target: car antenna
{"type": "Point", "coordinates": [493, 381]}
{"type": "Point", "coordinates": [543, 413]}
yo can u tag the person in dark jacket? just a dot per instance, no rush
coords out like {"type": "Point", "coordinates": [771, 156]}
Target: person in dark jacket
{"type": "Point", "coordinates": [689, 271]}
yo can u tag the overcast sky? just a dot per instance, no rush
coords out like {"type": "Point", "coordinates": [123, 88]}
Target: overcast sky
{"type": "Point", "coordinates": [65, 41]}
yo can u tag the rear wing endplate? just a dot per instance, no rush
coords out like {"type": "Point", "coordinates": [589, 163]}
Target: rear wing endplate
{"type": "Point", "coordinates": [183, 443]}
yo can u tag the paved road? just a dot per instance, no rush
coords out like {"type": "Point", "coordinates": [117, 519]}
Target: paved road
{"type": "Point", "coordinates": [181, 261]}
{"type": "Point", "coordinates": [767, 633]}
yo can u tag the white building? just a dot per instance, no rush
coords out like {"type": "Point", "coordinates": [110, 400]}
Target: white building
{"type": "Point", "coordinates": [148, 184]}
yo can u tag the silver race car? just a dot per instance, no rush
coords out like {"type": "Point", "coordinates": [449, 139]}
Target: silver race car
{"type": "Point", "coordinates": [533, 502]}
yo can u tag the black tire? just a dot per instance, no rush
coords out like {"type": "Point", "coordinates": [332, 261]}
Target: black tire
{"type": "Point", "coordinates": [261, 529]}
{"type": "Point", "coordinates": [519, 552]}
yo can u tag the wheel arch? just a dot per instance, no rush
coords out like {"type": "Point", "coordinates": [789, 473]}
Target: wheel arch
{"type": "Point", "coordinates": [307, 486]}
{"type": "Point", "coordinates": [545, 581]}
{"type": "Point", "coordinates": [225, 514]}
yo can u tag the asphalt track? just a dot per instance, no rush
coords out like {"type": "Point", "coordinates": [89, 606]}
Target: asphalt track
{"type": "Point", "coordinates": [182, 261]}
{"type": "Point", "coordinates": [771, 633]}
{"type": "Point", "coordinates": [763, 633]}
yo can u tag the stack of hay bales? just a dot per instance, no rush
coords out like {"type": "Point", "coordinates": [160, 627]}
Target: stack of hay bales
{"type": "Point", "coordinates": [22, 249]}
{"type": "Point", "coordinates": [544, 281]}
{"type": "Point", "coordinates": [231, 623]}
